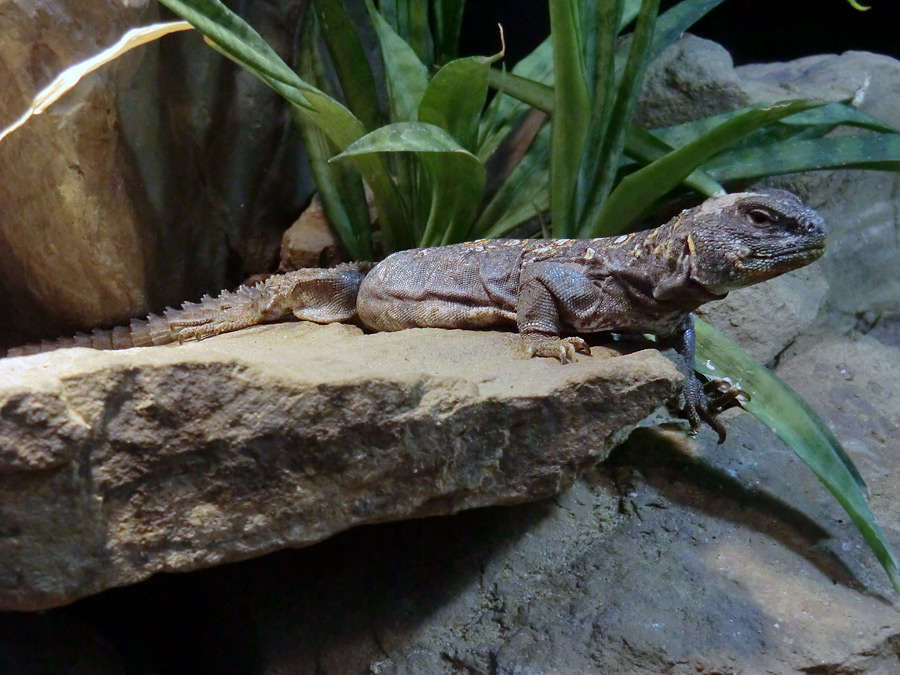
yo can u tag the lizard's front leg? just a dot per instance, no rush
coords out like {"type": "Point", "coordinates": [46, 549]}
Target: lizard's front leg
{"type": "Point", "coordinates": [696, 405]}
{"type": "Point", "coordinates": [549, 293]}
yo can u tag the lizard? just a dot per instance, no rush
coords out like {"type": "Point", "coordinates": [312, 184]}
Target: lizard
{"type": "Point", "coordinates": [550, 290]}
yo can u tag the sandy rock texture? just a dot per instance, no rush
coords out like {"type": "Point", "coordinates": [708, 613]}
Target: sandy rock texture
{"type": "Point", "coordinates": [117, 465]}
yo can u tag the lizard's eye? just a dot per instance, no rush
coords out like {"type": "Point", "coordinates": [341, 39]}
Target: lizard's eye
{"type": "Point", "coordinates": [761, 216]}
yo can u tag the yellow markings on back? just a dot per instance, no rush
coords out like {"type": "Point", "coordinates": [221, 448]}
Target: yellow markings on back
{"type": "Point", "coordinates": [691, 247]}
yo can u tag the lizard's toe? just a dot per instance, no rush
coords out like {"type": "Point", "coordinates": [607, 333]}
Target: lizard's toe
{"type": "Point", "coordinates": [580, 345]}
{"type": "Point", "coordinates": [552, 346]}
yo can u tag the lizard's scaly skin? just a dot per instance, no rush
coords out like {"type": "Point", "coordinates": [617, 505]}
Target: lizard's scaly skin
{"type": "Point", "coordinates": [320, 295]}
{"type": "Point", "coordinates": [647, 282]}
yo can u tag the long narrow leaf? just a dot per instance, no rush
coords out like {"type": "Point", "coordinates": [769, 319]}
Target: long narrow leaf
{"type": "Point", "coordinates": [571, 116]}
{"type": "Point", "coordinates": [350, 63]}
{"type": "Point", "coordinates": [340, 188]}
{"type": "Point", "coordinates": [448, 15]}
{"type": "Point", "coordinates": [523, 195]}
{"type": "Point", "coordinates": [607, 16]}
{"type": "Point", "coordinates": [845, 152]}
{"type": "Point", "coordinates": [644, 146]}
{"type": "Point", "coordinates": [234, 38]}
{"type": "Point", "coordinates": [405, 74]}
{"type": "Point", "coordinates": [599, 181]}
{"type": "Point", "coordinates": [791, 419]}
{"type": "Point", "coordinates": [72, 75]}
{"type": "Point", "coordinates": [673, 23]}
{"type": "Point", "coordinates": [831, 114]}
{"type": "Point", "coordinates": [640, 189]}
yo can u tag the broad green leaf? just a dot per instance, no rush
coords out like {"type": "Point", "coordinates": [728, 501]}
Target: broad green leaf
{"type": "Point", "coordinates": [350, 62]}
{"type": "Point", "coordinates": [789, 417]}
{"type": "Point", "coordinates": [844, 152]}
{"type": "Point", "coordinates": [457, 176]}
{"type": "Point", "coordinates": [406, 75]}
{"type": "Point", "coordinates": [639, 190]}
{"type": "Point", "coordinates": [571, 112]}
{"type": "Point", "coordinates": [455, 97]}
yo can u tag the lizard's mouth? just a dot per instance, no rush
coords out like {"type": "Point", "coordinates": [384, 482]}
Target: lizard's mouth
{"type": "Point", "coordinates": [808, 252]}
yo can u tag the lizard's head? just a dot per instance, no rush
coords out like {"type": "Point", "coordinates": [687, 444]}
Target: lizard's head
{"type": "Point", "coordinates": [744, 238]}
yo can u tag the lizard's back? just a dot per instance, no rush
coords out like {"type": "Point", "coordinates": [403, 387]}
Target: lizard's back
{"type": "Point", "coordinates": [471, 285]}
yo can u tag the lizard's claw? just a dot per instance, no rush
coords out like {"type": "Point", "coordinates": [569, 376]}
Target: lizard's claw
{"type": "Point", "coordinates": [722, 394]}
{"type": "Point", "coordinates": [704, 403]}
{"type": "Point", "coordinates": [552, 346]}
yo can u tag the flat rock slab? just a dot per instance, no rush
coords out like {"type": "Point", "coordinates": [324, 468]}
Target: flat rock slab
{"type": "Point", "coordinates": [117, 465]}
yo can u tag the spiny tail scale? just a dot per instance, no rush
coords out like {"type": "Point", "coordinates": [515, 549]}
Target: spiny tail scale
{"type": "Point", "coordinates": [274, 299]}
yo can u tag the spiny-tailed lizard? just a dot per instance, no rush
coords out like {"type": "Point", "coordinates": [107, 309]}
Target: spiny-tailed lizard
{"type": "Point", "coordinates": [550, 290]}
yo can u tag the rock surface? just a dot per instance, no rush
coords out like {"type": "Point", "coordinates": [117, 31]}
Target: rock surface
{"type": "Point", "coordinates": [117, 465]}
{"type": "Point", "coordinates": [673, 556]}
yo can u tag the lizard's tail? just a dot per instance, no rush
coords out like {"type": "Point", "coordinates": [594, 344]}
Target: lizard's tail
{"type": "Point", "coordinates": [300, 293]}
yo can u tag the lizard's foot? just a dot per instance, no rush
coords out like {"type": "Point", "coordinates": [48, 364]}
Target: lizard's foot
{"type": "Point", "coordinates": [704, 403]}
{"type": "Point", "coordinates": [553, 346]}
{"type": "Point", "coordinates": [722, 394]}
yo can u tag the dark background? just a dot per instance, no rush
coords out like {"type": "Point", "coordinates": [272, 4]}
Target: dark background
{"type": "Point", "coordinates": [754, 31]}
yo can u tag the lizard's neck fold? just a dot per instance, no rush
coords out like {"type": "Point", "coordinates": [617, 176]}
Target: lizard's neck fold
{"type": "Point", "coordinates": [671, 267]}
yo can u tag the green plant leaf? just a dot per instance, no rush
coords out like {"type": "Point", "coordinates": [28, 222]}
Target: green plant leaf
{"type": "Point", "coordinates": [638, 191]}
{"type": "Point", "coordinates": [339, 186]}
{"type": "Point", "coordinates": [571, 114]}
{"type": "Point", "coordinates": [600, 166]}
{"type": "Point", "coordinates": [405, 74]}
{"type": "Point", "coordinates": [644, 146]}
{"type": "Point", "coordinates": [789, 417]}
{"type": "Point", "coordinates": [823, 118]}
{"type": "Point", "coordinates": [523, 195]}
{"type": "Point", "coordinates": [457, 176]}
{"type": "Point", "coordinates": [844, 152]}
{"type": "Point", "coordinates": [455, 98]}
{"type": "Point", "coordinates": [673, 23]}
{"type": "Point", "coordinates": [350, 62]}
{"type": "Point", "coordinates": [448, 15]}
{"type": "Point", "coordinates": [234, 38]}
